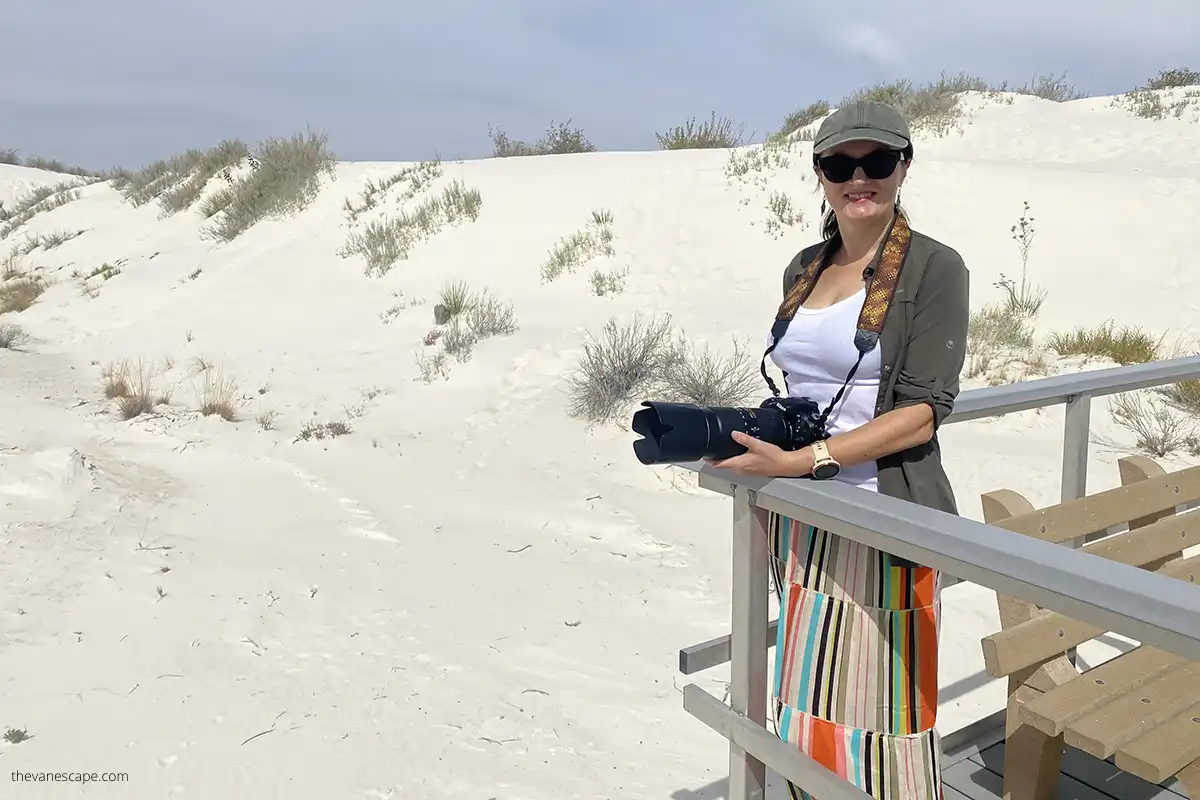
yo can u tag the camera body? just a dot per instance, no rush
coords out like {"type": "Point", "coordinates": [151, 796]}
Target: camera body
{"type": "Point", "coordinates": [674, 433]}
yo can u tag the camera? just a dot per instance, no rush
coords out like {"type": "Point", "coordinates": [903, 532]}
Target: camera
{"type": "Point", "coordinates": [675, 433]}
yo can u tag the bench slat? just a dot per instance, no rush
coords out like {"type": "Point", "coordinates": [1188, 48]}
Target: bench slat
{"type": "Point", "coordinates": [1166, 750]}
{"type": "Point", "coordinates": [1051, 712]}
{"type": "Point", "coordinates": [1101, 511]}
{"type": "Point", "coordinates": [1109, 728]}
{"type": "Point", "coordinates": [1051, 633]}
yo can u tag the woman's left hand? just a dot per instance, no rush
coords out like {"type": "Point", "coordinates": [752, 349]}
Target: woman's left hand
{"type": "Point", "coordinates": [763, 459]}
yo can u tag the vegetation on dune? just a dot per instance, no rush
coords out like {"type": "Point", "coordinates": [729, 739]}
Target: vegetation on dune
{"type": "Point", "coordinates": [1170, 93]}
{"type": "Point", "coordinates": [463, 318]}
{"type": "Point", "coordinates": [720, 132]}
{"type": "Point", "coordinates": [645, 357]}
{"type": "Point", "coordinates": [560, 138]}
{"type": "Point", "coordinates": [384, 240]}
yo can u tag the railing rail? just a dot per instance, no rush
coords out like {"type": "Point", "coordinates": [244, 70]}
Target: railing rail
{"type": "Point", "coordinates": [1075, 391]}
{"type": "Point", "coordinates": [1150, 608]}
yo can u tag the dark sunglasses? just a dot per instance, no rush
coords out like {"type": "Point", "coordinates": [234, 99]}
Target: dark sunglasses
{"type": "Point", "coordinates": [877, 165]}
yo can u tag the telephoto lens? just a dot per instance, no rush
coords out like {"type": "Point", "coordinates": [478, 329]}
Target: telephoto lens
{"type": "Point", "coordinates": [676, 433]}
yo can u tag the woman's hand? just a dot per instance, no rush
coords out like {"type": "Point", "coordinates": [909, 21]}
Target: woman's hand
{"type": "Point", "coordinates": [765, 459]}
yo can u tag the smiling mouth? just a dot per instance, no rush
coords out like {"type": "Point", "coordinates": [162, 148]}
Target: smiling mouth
{"type": "Point", "coordinates": [855, 197]}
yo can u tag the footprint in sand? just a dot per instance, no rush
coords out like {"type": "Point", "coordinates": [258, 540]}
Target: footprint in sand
{"type": "Point", "coordinates": [360, 522]}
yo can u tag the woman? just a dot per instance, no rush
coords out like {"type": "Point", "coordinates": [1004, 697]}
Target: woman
{"type": "Point", "coordinates": [880, 312]}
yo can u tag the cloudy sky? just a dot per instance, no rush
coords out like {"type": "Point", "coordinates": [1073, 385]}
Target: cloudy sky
{"type": "Point", "coordinates": [124, 82]}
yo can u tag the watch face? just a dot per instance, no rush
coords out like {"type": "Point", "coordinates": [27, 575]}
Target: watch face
{"type": "Point", "coordinates": [824, 472]}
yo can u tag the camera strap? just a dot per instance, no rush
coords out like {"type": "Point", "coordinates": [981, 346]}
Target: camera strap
{"type": "Point", "coordinates": [882, 276]}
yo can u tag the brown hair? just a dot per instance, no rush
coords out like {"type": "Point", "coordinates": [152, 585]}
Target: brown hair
{"type": "Point", "coordinates": [829, 223]}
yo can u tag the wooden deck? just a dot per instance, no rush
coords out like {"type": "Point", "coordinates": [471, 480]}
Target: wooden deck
{"type": "Point", "coordinates": [974, 774]}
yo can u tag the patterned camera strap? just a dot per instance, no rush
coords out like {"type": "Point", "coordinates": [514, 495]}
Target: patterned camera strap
{"type": "Point", "coordinates": [882, 276]}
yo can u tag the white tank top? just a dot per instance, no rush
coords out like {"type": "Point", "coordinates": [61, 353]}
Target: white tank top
{"type": "Point", "coordinates": [816, 353]}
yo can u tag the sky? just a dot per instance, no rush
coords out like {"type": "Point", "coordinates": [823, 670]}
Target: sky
{"type": "Point", "coordinates": [125, 82]}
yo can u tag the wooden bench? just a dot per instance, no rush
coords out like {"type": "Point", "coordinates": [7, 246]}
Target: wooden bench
{"type": "Point", "coordinates": [1141, 709]}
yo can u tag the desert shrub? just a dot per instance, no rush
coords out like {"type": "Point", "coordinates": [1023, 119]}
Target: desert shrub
{"type": "Point", "coordinates": [323, 430]}
{"type": "Point", "coordinates": [608, 282]}
{"type": "Point", "coordinates": [622, 361]}
{"type": "Point", "coordinates": [1152, 101]}
{"type": "Point", "coordinates": [18, 294]}
{"type": "Point", "coordinates": [708, 378]}
{"type": "Point", "coordinates": [287, 180]}
{"type": "Point", "coordinates": [693, 135]}
{"type": "Point", "coordinates": [559, 138]}
{"type": "Point", "coordinates": [802, 118]}
{"type": "Point", "coordinates": [1176, 78]}
{"type": "Point", "coordinates": [11, 157]}
{"type": "Point", "coordinates": [997, 327]}
{"type": "Point", "coordinates": [209, 164]}
{"type": "Point", "coordinates": [419, 177]}
{"type": "Point", "coordinates": [781, 214]}
{"type": "Point", "coordinates": [1055, 88]}
{"type": "Point", "coordinates": [1157, 429]}
{"type": "Point", "coordinates": [1126, 345]}
{"type": "Point", "coordinates": [471, 317]}
{"type": "Point", "coordinates": [383, 242]}
{"type": "Point", "coordinates": [771, 155]}
{"type": "Point", "coordinates": [579, 247]}
{"type": "Point", "coordinates": [34, 202]}
{"type": "Point", "coordinates": [12, 337]}
{"type": "Point", "coordinates": [178, 181]}
{"type": "Point", "coordinates": [934, 108]}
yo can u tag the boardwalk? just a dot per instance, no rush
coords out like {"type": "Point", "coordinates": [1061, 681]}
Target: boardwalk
{"type": "Point", "coordinates": [974, 774]}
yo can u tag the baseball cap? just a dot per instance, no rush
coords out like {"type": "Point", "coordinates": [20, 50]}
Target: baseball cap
{"type": "Point", "coordinates": [864, 121]}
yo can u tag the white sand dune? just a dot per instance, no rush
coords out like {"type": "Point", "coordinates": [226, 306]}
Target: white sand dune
{"type": "Point", "coordinates": [471, 595]}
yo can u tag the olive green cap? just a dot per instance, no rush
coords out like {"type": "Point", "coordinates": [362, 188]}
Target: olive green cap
{"type": "Point", "coordinates": [865, 121]}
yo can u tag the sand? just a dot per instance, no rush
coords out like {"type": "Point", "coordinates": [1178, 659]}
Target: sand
{"type": "Point", "coordinates": [472, 594]}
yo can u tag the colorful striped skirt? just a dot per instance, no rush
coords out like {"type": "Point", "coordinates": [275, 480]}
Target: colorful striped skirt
{"type": "Point", "coordinates": [856, 662]}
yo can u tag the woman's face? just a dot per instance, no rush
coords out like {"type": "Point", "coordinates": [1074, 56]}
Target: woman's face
{"type": "Point", "coordinates": [856, 195]}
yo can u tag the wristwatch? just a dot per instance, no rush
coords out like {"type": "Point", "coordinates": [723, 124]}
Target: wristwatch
{"type": "Point", "coordinates": [824, 466]}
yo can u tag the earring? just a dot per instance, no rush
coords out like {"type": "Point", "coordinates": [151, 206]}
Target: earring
{"type": "Point", "coordinates": [822, 206]}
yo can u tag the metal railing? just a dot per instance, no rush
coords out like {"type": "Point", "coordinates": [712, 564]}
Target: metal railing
{"type": "Point", "coordinates": [1150, 608]}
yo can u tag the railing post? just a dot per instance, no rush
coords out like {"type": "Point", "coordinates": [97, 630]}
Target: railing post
{"type": "Point", "coordinates": [1076, 428]}
{"type": "Point", "coordinates": [748, 641]}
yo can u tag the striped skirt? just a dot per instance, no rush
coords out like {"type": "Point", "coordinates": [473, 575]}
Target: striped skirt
{"type": "Point", "coordinates": [856, 662]}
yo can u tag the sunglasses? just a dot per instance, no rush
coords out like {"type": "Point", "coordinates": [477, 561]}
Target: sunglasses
{"type": "Point", "coordinates": [877, 165]}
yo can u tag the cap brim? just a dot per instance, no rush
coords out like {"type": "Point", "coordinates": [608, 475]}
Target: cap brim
{"type": "Point", "coordinates": [861, 135]}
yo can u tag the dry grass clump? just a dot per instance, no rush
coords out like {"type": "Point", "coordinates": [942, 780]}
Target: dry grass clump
{"type": "Point", "coordinates": [717, 132]}
{"type": "Point", "coordinates": [133, 387]}
{"type": "Point", "coordinates": [20, 291]}
{"type": "Point", "coordinates": [13, 157]}
{"type": "Point", "coordinates": [287, 180]}
{"type": "Point", "coordinates": [12, 337]}
{"type": "Point", "coordinates": [418, 176]}
{"type": "Point", "coordinates": [1125, 345]}
{"type": "Point", "coordinates": [323, 430]}
{"type": "Point", "coordinates": [1157, 429]}
{"type": "Point", "coordinates": [646, 357]}
{"type": "Point", "coordinates": [581, 246]}
{"type": "Point", "coordinates": [802, 118]}
{"type": "Point", "coordinates": [707, 377]}
{"type": "Point", "coordinates": [218, 395]}
{"type": "Point", "coordinates": [34, 202]}
{"type": "Point", "coordinates": [1170, 93]}
{"type": "Point", "coordinates": [178, 181]}
{"type": "Point", "coordinates": [382, 242]}
{"type": "Point", "coordinates": [464, 318]}
{"type": "Point", "coordinates": [560, 138]}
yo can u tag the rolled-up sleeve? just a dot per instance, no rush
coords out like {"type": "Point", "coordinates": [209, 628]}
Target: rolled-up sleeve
{"type": "Point", "coordinates": [937, 340]}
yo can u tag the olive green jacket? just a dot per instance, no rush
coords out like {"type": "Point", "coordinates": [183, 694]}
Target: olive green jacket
{"type": "Point", "coordinates": [923, 344]}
